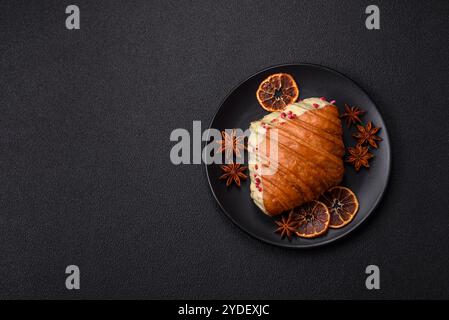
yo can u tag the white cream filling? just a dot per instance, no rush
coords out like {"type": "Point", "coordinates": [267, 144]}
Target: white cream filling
{"type": "Point", "coordinates": [258, 136]}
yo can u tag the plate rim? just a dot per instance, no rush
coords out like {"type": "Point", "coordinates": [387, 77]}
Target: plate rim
{"type": "Point", "coordinates": [354, 226]}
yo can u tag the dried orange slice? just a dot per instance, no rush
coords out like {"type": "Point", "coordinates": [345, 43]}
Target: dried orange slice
{"type": "Point", "coordinates": [342, 205]}
{"type": "Point", "coordinates": [277, 91]}
{"type": "Point", "coordinates": [312, 218]}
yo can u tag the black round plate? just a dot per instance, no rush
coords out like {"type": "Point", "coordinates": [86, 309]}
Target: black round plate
{"type": "Point", "coordinates": [240, 108]}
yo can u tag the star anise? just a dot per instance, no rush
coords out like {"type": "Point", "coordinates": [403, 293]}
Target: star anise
{"type": "Point", "coordinates": [352, 115]}
{"type": "Point", "coordinates": [367, 134]}
{"type": "Point", "coordinates": [287, 226]}
{"type": "Point", "coordinates": [233, 173]}
{"type": "Point", "coordinates": [359, 156]}
{"type": "Point", "coordinates": [231, 143]}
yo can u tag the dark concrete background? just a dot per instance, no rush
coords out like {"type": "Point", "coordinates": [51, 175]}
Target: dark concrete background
{"type": "Point", "coordinates": [85, 120]}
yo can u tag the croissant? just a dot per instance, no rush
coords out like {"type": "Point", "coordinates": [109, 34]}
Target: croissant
{"type": "Point", "coordinates": [308, 158]}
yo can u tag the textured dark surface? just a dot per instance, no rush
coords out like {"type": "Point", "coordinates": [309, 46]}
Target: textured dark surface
{"type": "Point", "coordinates": [86, 179]}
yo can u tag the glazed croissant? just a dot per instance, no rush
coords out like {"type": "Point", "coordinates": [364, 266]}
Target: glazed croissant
{"type": "Point", "coordinates": [308, 161]}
